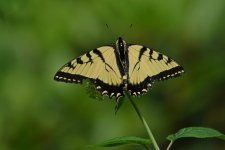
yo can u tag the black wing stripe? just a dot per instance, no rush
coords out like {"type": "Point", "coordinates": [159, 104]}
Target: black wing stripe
{"type": "Point", "coordinates": [67, 77]}
{"type": "Point", "coordinates": [97, 52]}
{"type": "Point", "coordinates": [160, 57]}
{"type": "Point", "coordinates": [143, 49]}
{"type": "Point", "coordinates": [173, 72]}
{"type": "Point", "coordinates": [169, 60]}
{"type": "Point", "coordinates": [150, 53]}
{"type": "Point", "coordinates": [109, 90]}
{"type": "Point", "coordinates": [79, 60]}
{"type": "Point", "coordinates": [70, 65]}
{"type": "Point", "coordinates": [89, 57]}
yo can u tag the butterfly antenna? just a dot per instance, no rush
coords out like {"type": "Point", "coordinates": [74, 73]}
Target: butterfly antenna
{"type": "Point", "coordinates": [127, 30]}
{"type": "Point", "coordinates": [107, 26]}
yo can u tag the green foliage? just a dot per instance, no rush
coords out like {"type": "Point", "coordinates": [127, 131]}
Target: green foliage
{"type": "Point", "coordinates": [196, 132]}
{"type": "Point", "coordinates": [125, 140]}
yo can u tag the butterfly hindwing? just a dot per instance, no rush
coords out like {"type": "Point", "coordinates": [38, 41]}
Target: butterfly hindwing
{"type": "Point", "coordinates": [145, 66]}
{"type": "Point", "coordinates": [100, 66]}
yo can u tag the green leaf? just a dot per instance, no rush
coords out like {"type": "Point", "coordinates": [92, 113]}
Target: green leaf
{"type": "Point", "coordinates": [124, 141]}
{"type": "Point", "coordinates": [196, 132]}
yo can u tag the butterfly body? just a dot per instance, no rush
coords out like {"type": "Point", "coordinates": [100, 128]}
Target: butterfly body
{"type": "Point", "coordinates": [120, 67]}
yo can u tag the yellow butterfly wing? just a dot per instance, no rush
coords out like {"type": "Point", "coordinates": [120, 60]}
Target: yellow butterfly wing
{"type": "Point", "coordinates": [100, 66]}
{"type": "Point", "coordinates": [145, 66]}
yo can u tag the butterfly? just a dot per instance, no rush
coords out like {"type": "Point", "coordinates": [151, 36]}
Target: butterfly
{"type": "Point", "coordinates": [119, 68]}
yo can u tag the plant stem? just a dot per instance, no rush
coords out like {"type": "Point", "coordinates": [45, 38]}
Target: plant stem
{"type": "Point", "coordinates": [169, 146]}
{"type": "Point", "coordinates": [155, 145]}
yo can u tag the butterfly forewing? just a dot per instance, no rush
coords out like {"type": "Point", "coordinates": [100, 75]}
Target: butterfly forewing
{"type": "Point", "coordinates": [145, 66]}
{"type": "Point", "coordinates": [100, 66]}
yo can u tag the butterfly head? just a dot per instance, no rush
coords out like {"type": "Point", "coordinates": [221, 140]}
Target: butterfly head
{"type": "Point", "coordinates": [121, 48]}
{"type": "Point", "coordinates": [120, 43]}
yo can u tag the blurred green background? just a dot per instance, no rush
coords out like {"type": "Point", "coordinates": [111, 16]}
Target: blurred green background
{"type": "Point", "coordinates": [38, 36]}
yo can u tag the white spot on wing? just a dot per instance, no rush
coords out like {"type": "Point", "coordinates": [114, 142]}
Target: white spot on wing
{"type": "Point", "coordinates": [111, 94]}
{"type": "Point", "coordinates": [118, 94]}
{"type": "Point", "coordinates": [144, 90]}
{"type": "Point", "coordinates": [104, 92]}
